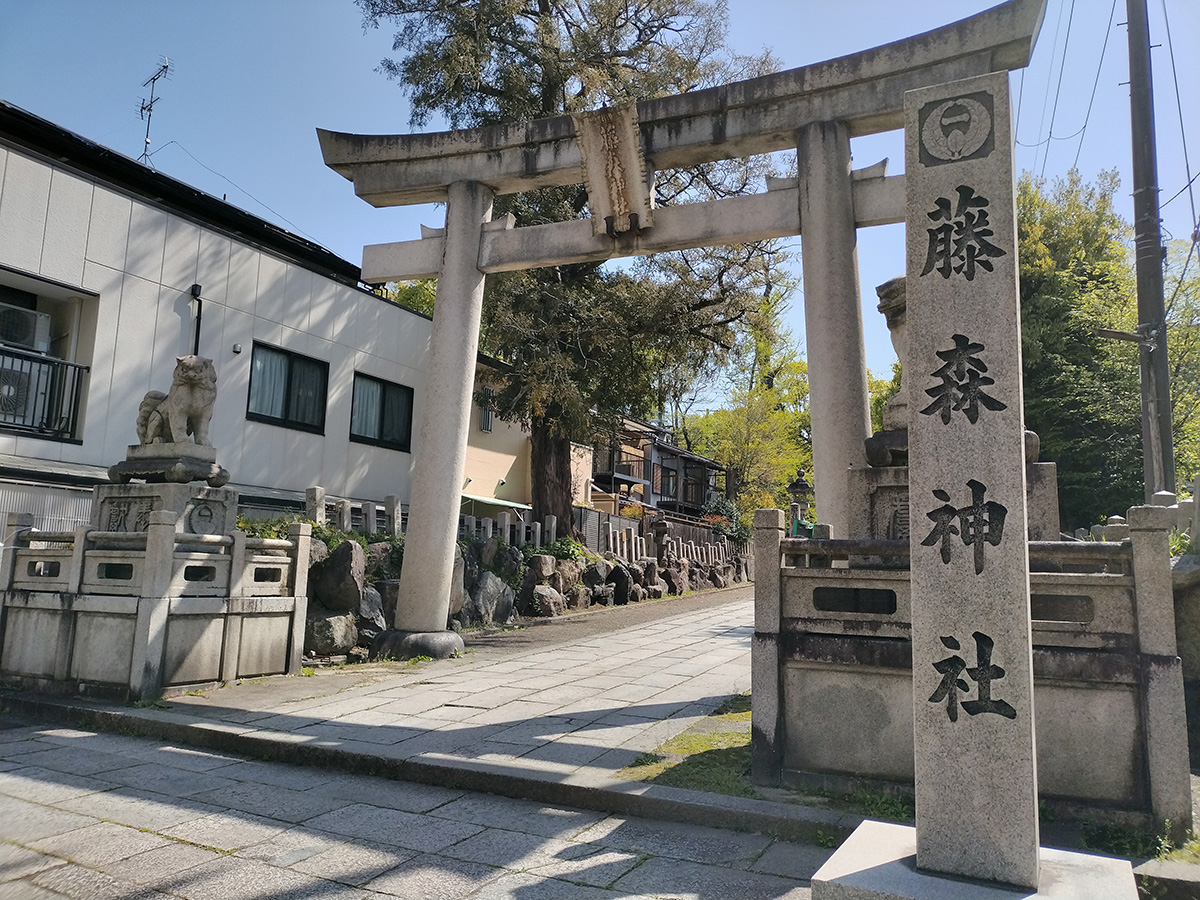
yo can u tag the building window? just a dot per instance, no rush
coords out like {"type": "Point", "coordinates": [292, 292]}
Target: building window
{"type": "Point", "coordinates": [43, 356]}
{"type": "Point", "coordinates": [287, 389]}
{"type": "Point", "coordinates": [485, 410]}
{"type": "Point", "coordinates": [381, 413]}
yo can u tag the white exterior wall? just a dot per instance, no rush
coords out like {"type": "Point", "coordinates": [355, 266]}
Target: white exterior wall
{"type": "Point", "coordinates": [141, 262]}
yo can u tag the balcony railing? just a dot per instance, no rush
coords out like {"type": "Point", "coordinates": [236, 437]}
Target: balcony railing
{"type": "Point", "coordinates": [40, 395]}
{"type": "Point", "coordinates": [620, 467]}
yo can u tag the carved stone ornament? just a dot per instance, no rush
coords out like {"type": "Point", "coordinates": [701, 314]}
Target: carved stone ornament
{"type": "Point", "coordinates": [614, 170]}
{"type": "Point", "coordinates": [172, 429]}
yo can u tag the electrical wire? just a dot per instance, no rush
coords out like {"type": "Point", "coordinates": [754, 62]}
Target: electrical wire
{"type": "Point", "coordinates": [1058, 88]}
{"type": "Point", "coordinates": [1187, 168]}
{"type": "Point", "coordinates": [239, 187]}
{"type": "Point", "coordinates": [1050, 76]}
{"type": "Point", "coordinates": [1103, 49]}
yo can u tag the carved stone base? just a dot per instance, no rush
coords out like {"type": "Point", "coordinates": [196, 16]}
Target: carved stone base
{"type": "Point", "coordinates": [171, 469]}
{"type": "Point", "coordinates": [887, 448]}
{"type": "Point", "coordinates": [407, 644]}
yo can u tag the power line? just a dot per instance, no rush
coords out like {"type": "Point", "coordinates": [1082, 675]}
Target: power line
{"type": "Point", "coordinates": [1187, 168]}
{"type": "Point", "coordinates": [1058, 88]}
{"type": "Point", "coordinates": [1046, 97]}
{"type": "Point", "coordinates": [239, 187]}
{"type": "Point", "coordinates": [1107, 32]}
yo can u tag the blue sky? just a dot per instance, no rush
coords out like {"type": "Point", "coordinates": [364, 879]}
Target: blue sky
{"type": "Point", "coordinates": [252, 80]}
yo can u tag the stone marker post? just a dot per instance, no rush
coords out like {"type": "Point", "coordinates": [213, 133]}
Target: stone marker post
{"type": "Point", "coordinates": [976, 778]}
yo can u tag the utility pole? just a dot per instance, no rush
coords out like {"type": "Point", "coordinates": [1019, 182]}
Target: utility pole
{"type": "Point", "coordinates": [1158, 451]}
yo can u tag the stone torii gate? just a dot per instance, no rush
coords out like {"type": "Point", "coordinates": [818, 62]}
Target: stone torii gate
{"type": "Point", "coordinates": [814, 110]}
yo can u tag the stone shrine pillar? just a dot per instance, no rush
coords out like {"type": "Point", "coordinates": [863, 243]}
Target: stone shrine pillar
{"type": "Point", "coordinates": [440, 442]}
{"type": "Point", "coordinates": [976, 774]}
{"type": "Point", "coordinates": [972, 657]}
{"type": "Point", "coordinates": [837, 368]}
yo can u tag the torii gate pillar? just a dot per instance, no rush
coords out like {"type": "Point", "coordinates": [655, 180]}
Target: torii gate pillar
{"type": "Point", "coordinates": [837, 367]}
{"type": "Point", "coordinates": [440, 446]}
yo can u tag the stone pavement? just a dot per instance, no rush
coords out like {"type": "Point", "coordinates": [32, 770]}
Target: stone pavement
{"type": "Point", "coordinates": [549, 723]}
{"type": "Point", "coordinates": [98, 816]}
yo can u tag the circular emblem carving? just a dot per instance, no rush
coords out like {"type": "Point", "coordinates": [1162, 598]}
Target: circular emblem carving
{"type": "Point", "coordinates": [202, 519]}
{"type": "Point", "coordinates": [956, 129]}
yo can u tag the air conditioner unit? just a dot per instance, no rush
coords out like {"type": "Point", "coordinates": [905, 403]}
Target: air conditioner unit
{"type": "Point", "coordinates": [26, 328]}
{"type": "Point", "coordinates": [24, 396]}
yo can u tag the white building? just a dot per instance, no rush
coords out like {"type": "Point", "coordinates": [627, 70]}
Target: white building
{"type": "Point", "coordinates": [109, 270]}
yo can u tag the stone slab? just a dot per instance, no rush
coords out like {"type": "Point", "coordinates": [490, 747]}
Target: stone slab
{"type": "Point", "coordinates": [179, 449]}
{"type": "Point", "coordinates": [879, 862]}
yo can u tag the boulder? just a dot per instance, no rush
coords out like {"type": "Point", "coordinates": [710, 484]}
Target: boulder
{"type": "Point", "coordinates": [717, 578]}
{"type": "Point", "coordinates": [337, 582]}
{"type": "Point", "coordinates": [676, 580]}
{"type": "Point", "coordinates": [470, 566]}
{"type": "Point", "coordinates": [457, 587]}
{"type": "Point", "coordinates": [546, 602]}
{"type": "Point", "coordinates": [596, 573]}
{"type": "Point", "coordinates": [637, 593]}
{"type": "Point", "coordinates": [656, 590]}
{"type": "Point", "coordinates": [621, 581]}
{"type": "Point", "coordinates": [487, 553]}
{"type": "Point", "coordinates": [577, 597]}
{"type": "Point", "coordinates": [318, 551]}
{"type": "Point", "coordinates": [650, 572]}
{"type": "Point", "coordinates": [390, 592]}
{"type": "Point", "coordinates": [492, 601]}
{"type": "Point", "coordinates": [328, 634]}
{"type": "Point", "coordinates": [543, 566]}
{"type": "Point", "coordinates": [370, 609]}
{"type": "Point", "coordinates": [602, 594]}
{"type": "Point", "coordinates": [510, 560]}
{"type": "Point", "coordinates": [379, 557]}
{"type": "Point", "coordinates": [570, 571]}
{"type": "Point", "coordinates": [635, 573]}
{"type": "Point", "coordinates": [528, 582]}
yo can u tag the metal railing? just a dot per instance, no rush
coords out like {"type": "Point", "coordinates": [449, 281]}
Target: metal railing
{"type": "Point", "coordinates": [39, 394]}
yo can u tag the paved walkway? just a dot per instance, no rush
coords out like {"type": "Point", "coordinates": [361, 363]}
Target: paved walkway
{"type": "Point", "coordinates": [94, 815]}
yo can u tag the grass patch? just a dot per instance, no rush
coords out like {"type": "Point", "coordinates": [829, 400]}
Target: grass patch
{"type": "Point", "coordinates": [1128, 842]}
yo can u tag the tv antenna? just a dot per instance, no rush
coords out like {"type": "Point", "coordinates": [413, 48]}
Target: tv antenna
{"type": "Point", "coordinates": [147, 108]}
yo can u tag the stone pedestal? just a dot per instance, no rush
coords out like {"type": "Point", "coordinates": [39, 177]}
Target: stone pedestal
{"type": "Point", "coordinates": [198, 510]}
{"type": "Point", "coordinates": [879, 862]}
{"type": "Point", "coordinates": [175, 463]}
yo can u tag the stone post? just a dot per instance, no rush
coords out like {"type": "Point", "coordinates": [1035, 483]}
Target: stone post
{"type": "Point", "coordinates": [369, 517]}
{"type": "Point", "coordinates": [150, 628]}
{"type": "Point", "coordinates": [837, 369]}
{"type": "Point", "coordinates": [231, 649]}
{"type": "Point", "coordinates": [766, 683]}
{"type": "Point", "coordinates": [628, 545]}
{"type": "Point", "coordinates": [14, 523]}
{"type": "Point", "coordinates": [976, 774]}
{"type": "Point", "coordinates": [469, 526]}
{"type": "Point", "coordinates": [345, 511]}
{"type": "Point", "coordinates": [1163, 715]}
{"type": "Point", "coordinates": [393, 512]}
{"type": "Point", "coordinates": [551, 529]}
{"type": "Point", "coordinates": [300, 534]}
{"type": "Point", "coordinates": [440, 441]}
{"type": "Point", "coordinates": [489, 527]}
{"type": "Point", "coordinates": [606, 539]}
{"type": "Point", "coordinates": [504, 526]}
{"type": "Point", "coordinates": [536, 527]}
{"type": "Point", "coordinates": [314, 504]}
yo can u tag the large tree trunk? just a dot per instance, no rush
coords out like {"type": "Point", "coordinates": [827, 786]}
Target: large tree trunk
{"type": "Point", "coordinates": [550, 467]}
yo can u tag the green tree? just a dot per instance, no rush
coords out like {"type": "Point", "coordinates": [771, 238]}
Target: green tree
{"type": "Point", "coordinates": [1183, 351]}
{"type": "Point", "coordinates": [1081, 391]}
{"type": "Point", "coordinates": [585, 344]}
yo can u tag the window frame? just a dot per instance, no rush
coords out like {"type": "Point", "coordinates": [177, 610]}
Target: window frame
{"type": "Point", "coordinates": [285, 421]}
{"type": "Point", "coordinates": [402, 446]}
{"type": "Point", "coordinates": [486, 414]}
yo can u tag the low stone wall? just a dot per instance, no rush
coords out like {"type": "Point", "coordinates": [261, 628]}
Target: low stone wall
{"type": "Point", "coordinates": [832, 669]}
{"type": "Point", "coordinates": [133, 614]}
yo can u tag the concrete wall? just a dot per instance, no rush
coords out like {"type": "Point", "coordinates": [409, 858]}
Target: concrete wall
{"type": "Point", "coordinates": [502, 453]}
{"type": "Point", "coordinates": [126, 266]}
